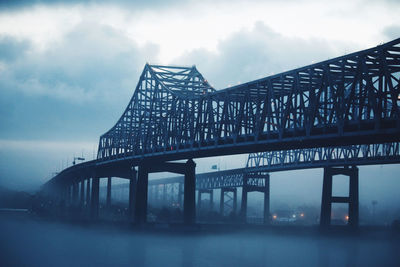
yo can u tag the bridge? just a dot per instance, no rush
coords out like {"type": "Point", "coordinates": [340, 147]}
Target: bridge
{"type": "Point", "coordinates": [175, 114]}
{"type": "Point", "coordinates": [255, 176]}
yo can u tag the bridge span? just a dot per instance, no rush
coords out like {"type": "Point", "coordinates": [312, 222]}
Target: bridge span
{"type": "Point", "coordinates": [176, 114]}
{"type": "Point", "coordinates": [255, 176]}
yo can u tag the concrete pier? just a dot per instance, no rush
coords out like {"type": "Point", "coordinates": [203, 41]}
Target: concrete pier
{"type": "Point", "coordinates": [327, 198]}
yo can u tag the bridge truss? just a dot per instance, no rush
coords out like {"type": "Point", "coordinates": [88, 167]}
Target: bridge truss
{"type": "Point", "coordinates": [352, 99]}
{"type": "Point", "coordinates": [339, 112]}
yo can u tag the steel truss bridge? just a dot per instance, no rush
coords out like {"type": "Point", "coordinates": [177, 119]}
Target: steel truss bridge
{"type": "Point", "coordinates": [175, 114]}
{"type": "Point", "coordinates": [169, 190]}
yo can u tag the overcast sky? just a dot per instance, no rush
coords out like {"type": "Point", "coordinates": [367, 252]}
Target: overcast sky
{"type": "Point", "coordinates": [69, 68]}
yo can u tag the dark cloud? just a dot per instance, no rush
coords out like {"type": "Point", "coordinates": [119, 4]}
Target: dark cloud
{"type": "Point", "coordinates": [392, 32]}
{"type": "Point", "coordinates": [90, 75]}
{"type": "Point", "coordinates": [21, 4]}
{"type": "Point", "coordinates": [260, 52]}
{"type": "Point", "coordinates": [131, 4]}
{"type": "Point", "coordinates": [11, 49]}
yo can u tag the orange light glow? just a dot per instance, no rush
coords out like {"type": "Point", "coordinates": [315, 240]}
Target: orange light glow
{"type": "Point", "coordinates": [274, 217]}
{"type": "Point", "coordinates": [347, 217]}
{"type": "Point", "coordinates": [301, 214]}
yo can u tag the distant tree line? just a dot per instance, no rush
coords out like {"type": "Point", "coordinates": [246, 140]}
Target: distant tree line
{"type": "Point", "coordinates": [14, 199]}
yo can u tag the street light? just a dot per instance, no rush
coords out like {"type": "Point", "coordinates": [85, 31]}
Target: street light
{"type": "Point", "coordinates": [77, 158]}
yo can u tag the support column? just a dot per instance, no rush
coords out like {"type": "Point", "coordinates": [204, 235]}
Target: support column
{"type": "Point", "coordinates": [88, 192]}
{"type": "Point", "coordinates": [75, 192]}
{"type": "Point", "coordinates": [180, 192]}
{"type": "Point", "coordinates": [243, 210]}
{"type": "Point", "coordinates": [222, 202]}
{"type": "Point", "coordinates": [353, 198]}
{"type": "Point", "coordinates": [141, 194]}
{"type": "Point", "coordinates": [94, 210]}
{"type": "Point", "coordinates": [189, 198]}
{"type": "Point", "coordinates": [266, 200]}
{"type": "Point", "coordinates": [82, 200]}
{"type": "Point", "coordinates": [68, 198]}
{"type": "Point", "coordinates": [132, 194]}
{"type": "Point", "coordinates": [211, 199]}
{"type": "Point", "coordinates": [108, 203]}
{"type": "Point", "coordinates": [224, 192]}
{"type": "Point", "coordinates": [326, 204]}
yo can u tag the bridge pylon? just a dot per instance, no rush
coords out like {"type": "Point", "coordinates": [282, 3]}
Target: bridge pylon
{"type": "Point", "coordinates": [132, 194]}
{"type": "Point", "coordinates": [188, 169]}
{"type": "Point", "coordinates": [94, 207]}
{"type": "Point", "coordinates": [351, 199]}
{"type": "Point", "coordinates": [88, 192]}
{"type": "Point", "coordinates": [108, 199]}
{"type": "Point", "coordinates": [189, 197]}
{"type": "Point", "coordinates": [256, 182]}
{"type": "Point", "coordinates": [141, 193]}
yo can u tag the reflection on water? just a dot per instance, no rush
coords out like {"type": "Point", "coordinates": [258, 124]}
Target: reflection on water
{"type": "Point", "coordinates": [337, 253]}
{"type": "Point", "coordinates": [32, 243]}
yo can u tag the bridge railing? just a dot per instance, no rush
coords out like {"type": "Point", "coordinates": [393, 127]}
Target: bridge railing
{"type": "Point", "coordinates": [344, 155]}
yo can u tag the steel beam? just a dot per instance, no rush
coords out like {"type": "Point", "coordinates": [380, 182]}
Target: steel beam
{"type": "Point", "coordinates": [82, 193]}
{"type": "Point", "coordinates": [189, 198]}
{"type": "Point", "coordinates": [108, 199]}
{"type": "Point", "coordinates": [94, 211]}
{"type": "Point", "coordinates": [75, 193]}
{"type": "Point", "coordinates": [223, 202]}
{"type": "Point", "coordinates": [88, 191]}
{"type": "Point", "coordinates": [132, 194]}
{"type": "Point", "coordinates": [141, 194]}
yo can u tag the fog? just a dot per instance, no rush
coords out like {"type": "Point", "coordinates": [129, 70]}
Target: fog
{"type": "Point", "coordinates": [68, 69]}
{"type": "Point", "coordinates": [27, 242]}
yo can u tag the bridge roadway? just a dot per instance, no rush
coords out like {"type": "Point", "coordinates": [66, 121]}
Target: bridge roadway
{"type": "Point", "coordinates": [175, 114]}
{"type": "Point", "coordinates": [256, 173]}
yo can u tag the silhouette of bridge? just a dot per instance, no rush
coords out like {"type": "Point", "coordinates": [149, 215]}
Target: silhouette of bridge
{"type": "Point", "coordinates": [349, 102]}
{"type": "Point", "coordinates": [255, 176]}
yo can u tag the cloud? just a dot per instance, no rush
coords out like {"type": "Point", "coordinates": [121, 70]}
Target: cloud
{"type": "Point", "coordinates": [90, 62]}
{"type": "Point", "coordinates": [32, 146]}
{"type": "Point", "coordinates": [11, 49]}
{"type": "Point", "coordinates": [392, 32]}
{"type": "Point", "coordinates": [21, 4]}
{"type": "Point", "coordinates": [259, 52]}
{"type": "Point", "coordinates": [89, 74]}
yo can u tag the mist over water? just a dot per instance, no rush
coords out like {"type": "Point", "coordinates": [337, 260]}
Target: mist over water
{"type": "Point", "coordinates": [27, 242]}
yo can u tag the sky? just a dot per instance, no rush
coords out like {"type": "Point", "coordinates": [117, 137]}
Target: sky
{"type": "Point", "coordinates": [69, 68]}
